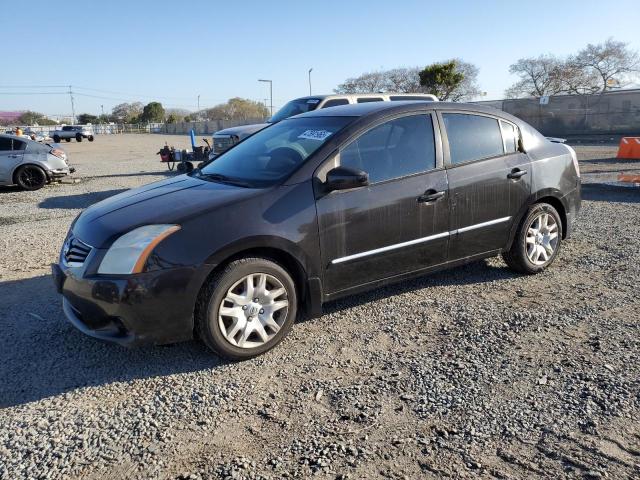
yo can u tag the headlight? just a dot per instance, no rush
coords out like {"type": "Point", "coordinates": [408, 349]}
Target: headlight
{"type": "Point", "coordinates": [129, 253]}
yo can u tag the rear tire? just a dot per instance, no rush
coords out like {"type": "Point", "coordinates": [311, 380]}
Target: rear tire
{"type": "Point", "coordinates": [31, 177]}
{"type": "Point", "coordinates": [56, 138]}
{"type": "Point", "coordinates": [90, 138]}
{"type": "Point", "coordinates": [247, 308]}
{"type": "Point", "coordinates": [78, 138]}
{"type": "Point", "coordinates": [537, 241]}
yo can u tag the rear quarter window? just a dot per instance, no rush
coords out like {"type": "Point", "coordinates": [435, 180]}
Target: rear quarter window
{"type": "Point", "coordinates": [5, 144]}
{"type": "Point", "coordinates": [509, 137]}
{"type": "Point", "coordinates": [472, 137]}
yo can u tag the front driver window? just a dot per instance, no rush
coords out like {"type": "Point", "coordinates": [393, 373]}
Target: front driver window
{"type": "Point", "coordinates": [394, 149]}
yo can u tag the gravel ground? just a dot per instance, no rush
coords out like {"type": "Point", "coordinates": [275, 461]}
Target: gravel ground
{"type": "Point", "coordinates": [472, 373]}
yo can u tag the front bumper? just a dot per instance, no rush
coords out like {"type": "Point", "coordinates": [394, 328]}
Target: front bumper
{"type": "Point", "coordinates": [153, 307]}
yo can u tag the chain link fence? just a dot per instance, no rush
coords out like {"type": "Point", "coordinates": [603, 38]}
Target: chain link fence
{"type": "Point", "coordinates": [181, 128]}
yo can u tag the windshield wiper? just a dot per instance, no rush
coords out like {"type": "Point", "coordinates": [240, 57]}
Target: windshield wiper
{"type": "Point", "coordinates": [219, 177]}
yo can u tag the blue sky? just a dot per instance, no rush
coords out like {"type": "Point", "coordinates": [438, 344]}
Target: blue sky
{"type": "Point", "coordinates": [175, 51]}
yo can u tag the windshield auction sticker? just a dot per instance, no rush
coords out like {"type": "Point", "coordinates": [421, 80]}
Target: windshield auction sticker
{"type": "Point", "coordinates": [315, 134]}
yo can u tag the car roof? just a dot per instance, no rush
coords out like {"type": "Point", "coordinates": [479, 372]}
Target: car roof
{"type": "Point", "coordinates": [6, 135]}
{"type": "Point", "coordinates": [354, 96]}
{"type": "Point", "coordinates": [371, 108]}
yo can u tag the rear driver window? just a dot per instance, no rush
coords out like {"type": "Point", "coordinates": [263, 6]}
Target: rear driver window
{"type": "Point", "coordinates": [472, 137]}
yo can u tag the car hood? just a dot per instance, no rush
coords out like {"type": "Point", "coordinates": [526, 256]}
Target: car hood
{"type": "Point", "coordinates": [242, 130]}
{"type": "Point", "coordinates": [171, 201]}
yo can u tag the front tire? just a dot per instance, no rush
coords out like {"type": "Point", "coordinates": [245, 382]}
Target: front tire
{"type": "Point", "coordinates": [31, 177]}
{"type": "Point", "coordinates": [56, 138]}
{"type": "Point", "coordinates": [90, 138]}
{"type": "Point", "coordinates": [78, 138]}
{"type": "Point", "coordinates": [537, 240]}
{"type": "Point", "coordinates": [247, 308]}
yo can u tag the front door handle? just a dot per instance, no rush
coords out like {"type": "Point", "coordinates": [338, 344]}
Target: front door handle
{"type": "Point", "coordinates": [430, 195]}
{"type": "Point", "coordinates": [12, 156]}
{"type": "Point", "coordinates": [516, 173]}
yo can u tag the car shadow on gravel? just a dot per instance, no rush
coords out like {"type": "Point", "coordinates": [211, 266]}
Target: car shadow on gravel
{"type": "Point", "coordinates": [601, 192]}
{"type": "Point", "coordinates": [10, 189]}
{"type": "Point", "coordinates": [472, 273]}
{"type": "Point", "coordinates": [167, 173]}
{"type": "Point", "coordinates": [42, 355]}
{"type": "Point", "coordinates": [81, 200]}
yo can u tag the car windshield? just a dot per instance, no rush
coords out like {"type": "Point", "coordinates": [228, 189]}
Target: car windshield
{"type": "Point", "coordinates": [272, 154]}
{"type": "Point", "coordinates": [295, 107]}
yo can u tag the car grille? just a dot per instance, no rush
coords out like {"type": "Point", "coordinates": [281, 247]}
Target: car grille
{"type": "Point", "coordinates": [75, 252]}
{"type": "Point", "coordinates": [221, 144]}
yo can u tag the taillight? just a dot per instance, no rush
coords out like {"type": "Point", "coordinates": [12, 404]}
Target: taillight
{"type": "Point", "coordinates": [56, 152]}
{"type": "Point", "coordinates": [574, 157]}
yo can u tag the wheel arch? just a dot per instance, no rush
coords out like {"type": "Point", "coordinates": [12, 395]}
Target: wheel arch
{"type": "Point", "coordinates": [309, 287]}
{"type": "Point", "coordinates": [552, 197]}
{"type": "Point", "coordinates": [29, 164]}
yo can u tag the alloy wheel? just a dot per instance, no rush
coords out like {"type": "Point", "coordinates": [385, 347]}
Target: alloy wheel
{"type": "Point", "coordinates": [253, 310]}
{"type": "Point", "coordinates": [542, 238]}
{"type": "Point", "coordinates": [30, 178]}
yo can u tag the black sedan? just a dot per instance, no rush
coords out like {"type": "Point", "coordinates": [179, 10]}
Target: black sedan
{"type": "Point", "coordinates": [313, 208]}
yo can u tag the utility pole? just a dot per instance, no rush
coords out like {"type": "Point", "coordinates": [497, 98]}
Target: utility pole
{"type": "Point", "coordinates": [198, 103]}
{"type": "Point", "coordinates": [310, 70]}
{"type": "Point", "coordinates": [270, 93]}
{"type": "Point", "coordinates": [73, 108]}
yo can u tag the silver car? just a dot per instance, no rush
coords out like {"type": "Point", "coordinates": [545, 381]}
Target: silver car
{"type": "Point", "coordinates": [30, 165]}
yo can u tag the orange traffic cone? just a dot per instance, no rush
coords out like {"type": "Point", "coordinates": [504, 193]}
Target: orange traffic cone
{"type": "Point", "coordinates": [629, 148]}
{"type": "Point", "coordinates": [629, 178]}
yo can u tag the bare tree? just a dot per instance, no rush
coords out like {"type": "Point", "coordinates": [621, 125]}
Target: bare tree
{"type": "Point", "coordinates": [237, 109]}
{"type": "Point", "coordinates": [612, 63]}
{"type": "Point", "coordinates": [402, 80]}
{"type": "Point", "coordinates": [596, 68]}
{"type": "Point", "coordinates": [538, 76]}
{"type": "Point", "coordinates": [126, 112]}
{"type": "Point", "coordinates": [369, 82]}
{"type": "Point", "coordinates": [468, 88]}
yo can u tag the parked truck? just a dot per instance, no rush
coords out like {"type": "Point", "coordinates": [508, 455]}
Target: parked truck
{"type": "Point", "coordinates": [72, 131]}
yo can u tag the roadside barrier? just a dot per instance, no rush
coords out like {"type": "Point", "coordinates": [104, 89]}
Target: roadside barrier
{"type": "Point", "coordinates": [629, 148]}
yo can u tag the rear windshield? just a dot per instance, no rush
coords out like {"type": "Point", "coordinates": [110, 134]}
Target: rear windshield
{"type": "Point", "coordinates": [296, 107]}
{"type": "Point", "coordinates": [271, 155]}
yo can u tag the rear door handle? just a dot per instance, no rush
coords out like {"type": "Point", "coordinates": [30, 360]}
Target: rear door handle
{"type": "Point", "coordinates": [516, 173]}
{"type": "Point", "coordinates": [430, 195]}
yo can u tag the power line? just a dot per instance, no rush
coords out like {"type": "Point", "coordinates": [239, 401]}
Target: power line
{"type": "Point", "coordinates": [34, 86]}
{"type": "Point", "coordinates": [33, 93]}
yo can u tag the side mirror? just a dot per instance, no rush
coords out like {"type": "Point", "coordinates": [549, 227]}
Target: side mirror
{"type": "Point", "coordinates": [343, 178]}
